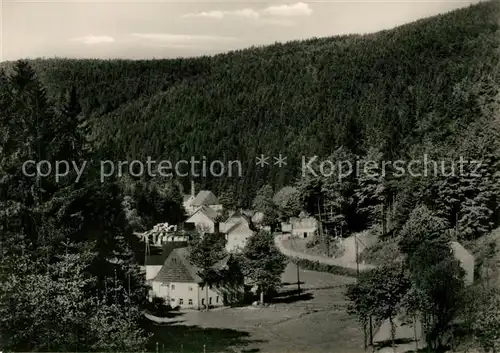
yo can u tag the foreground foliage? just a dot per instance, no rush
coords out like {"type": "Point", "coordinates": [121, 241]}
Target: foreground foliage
{"type": "Point", "coordinates": [67, 255]}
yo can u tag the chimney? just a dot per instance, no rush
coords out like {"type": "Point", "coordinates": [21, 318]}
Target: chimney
{"type": "Point", "coordinates": [192, 188]}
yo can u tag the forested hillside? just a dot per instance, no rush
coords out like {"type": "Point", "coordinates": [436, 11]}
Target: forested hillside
{"type": "Point", "coordinates": [404, 91]}
{"type": "Point", "coordinates": [430, 87]}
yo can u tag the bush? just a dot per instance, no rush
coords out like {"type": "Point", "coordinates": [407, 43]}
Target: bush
{"type": "Point", "coordinates": [321, 267]}
{"type": "Point", "coordinates": [312, 243]}
{"type": "Point", "coordinates": [157, 307]}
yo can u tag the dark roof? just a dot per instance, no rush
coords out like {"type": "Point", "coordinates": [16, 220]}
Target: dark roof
{"type": "Point", "coordinates": [205, 197]}
{"type": "Point", "coordinates": [207, 211]}
{"type": "Point", "coordinates": [243, 217]}
{"type": "Point", "coordinates": [177, 268]}
{"type": "Point", "coordinates": [240, 213]}
{"type": "Point", "coordinates": [159, 255]}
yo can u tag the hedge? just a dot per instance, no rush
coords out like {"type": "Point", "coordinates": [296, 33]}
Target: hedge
{"type": "Point", "coordinates": [322, 267]}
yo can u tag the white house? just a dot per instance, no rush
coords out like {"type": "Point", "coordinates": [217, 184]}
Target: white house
{"type": "Point", "coordinates": [286, 227]}
{"type": "Point", "coordinates": [303, 227]}
{"type": "Point", "coordinates": [204, 219]}
{"type": "Point", "coordinates": [237, 229]}
{"type": "Point", "coordinates": [179, 284]}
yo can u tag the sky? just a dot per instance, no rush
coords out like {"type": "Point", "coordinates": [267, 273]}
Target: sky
{"type": "Point", "coordinates": [143, 29]}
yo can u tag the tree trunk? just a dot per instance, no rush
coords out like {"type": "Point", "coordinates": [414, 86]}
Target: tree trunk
{"type": "Point", "coordinates": [393, 333]}
{"type": "Point", "coordinates": [206, 297]}
{"type": "Point", "coordinates": [371, 331]}
{"type": "Point", "coordinates": [261, 295]}
{"type": "Point", "coordinates": [384, 230]}
{"type": "Point", "coordinates": [415, 332]}
{"type": "Point", "coordinates": [364, 334]}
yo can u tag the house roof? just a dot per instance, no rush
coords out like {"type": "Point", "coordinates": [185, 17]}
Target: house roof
{"type": "Point", "coordinates": [240, 214]}
{"type": "Point", "coordinates": [207, 211]}
{"type": "Point", "coordinates": [177, 268]}
{"type": "Point", "coordinates": [234, 220]}
{"type": "Point", "coordinates": [159, 255]}
{"type": "Point", "coordinates": [205, 197]}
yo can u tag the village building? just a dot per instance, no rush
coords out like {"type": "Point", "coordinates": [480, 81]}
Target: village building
{"type": "Point", "coordinates": [303, 226]}
{"type": "Point", "coordinates": [204, 220]}
{"type": "Point", "coordinates": [238, 228]}
{"type": "Point", "coordinates": [180, 285]}
{"type": "Point", "coordinates": [156, 256]}
{"type": "Point", "coordinates": [192, 202]}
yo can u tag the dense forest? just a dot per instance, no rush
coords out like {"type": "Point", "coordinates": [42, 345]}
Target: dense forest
{"type": "Point", "coordinates": [429, 87]}
{"type": "Point", "coordinates": [404, 91]}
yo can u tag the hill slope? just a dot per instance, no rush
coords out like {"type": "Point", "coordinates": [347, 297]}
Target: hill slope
{"type": "Point", "coordinates": [409, 89]}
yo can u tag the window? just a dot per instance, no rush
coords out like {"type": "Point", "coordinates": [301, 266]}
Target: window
{"type": "Point", "coordinates": [305, 235]}
{"type": "Point", "coordinates": [210, 301]}
{"type": "Point", "coordinates": [190, 302]}
{"type": "Point", "coordinates": [203, 302]}
{"type": "Point", "coordinates": [217, 299]}
{"type": "Point", "coordinates": [181, 301]}
{"type": "Point", "coordinates": [173, 286]}
{"type": "Point", "coordinates": [190, 289]}
{"type": "Point", "coordinates": [172, 300]}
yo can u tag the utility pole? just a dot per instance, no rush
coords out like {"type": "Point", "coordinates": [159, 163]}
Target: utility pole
{"type": "Point", "coordinates": [294, 244]}
{"type": "Point", "coordinates": [320, 225]}
{"type": "Point", "coordinates": [298, 278]}
{"type": "Point", "coordinates": [357, 255]}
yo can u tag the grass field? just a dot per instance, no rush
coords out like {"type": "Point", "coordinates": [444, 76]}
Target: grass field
{"type": "Point", "coordinates": [315, 322]}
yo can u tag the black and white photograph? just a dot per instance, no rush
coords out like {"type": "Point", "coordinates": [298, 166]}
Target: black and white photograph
{"type": "Point", "coordinates": [225, 176]}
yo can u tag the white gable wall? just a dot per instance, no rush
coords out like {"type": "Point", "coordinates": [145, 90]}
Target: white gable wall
{"type": "Point", "coordinates": [237, 238]}
{"type": "Point", "coordinates": [202, 221]}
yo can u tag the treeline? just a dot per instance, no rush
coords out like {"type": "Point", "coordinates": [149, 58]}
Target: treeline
{"type": "Point", "coordinates": [69, 278]}
{"type": "Point", "coordinates": [404, 91]}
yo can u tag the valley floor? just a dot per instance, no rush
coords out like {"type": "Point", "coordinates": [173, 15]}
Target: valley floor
{"type": "Point", "coordinates": [316, 321]}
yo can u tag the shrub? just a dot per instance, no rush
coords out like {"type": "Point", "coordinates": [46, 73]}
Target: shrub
{"type": "Point", "coordinates": [321, 267]}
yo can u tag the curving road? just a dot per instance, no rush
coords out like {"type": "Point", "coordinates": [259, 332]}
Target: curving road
{"type": "Point", "coordinates": [346, 260]}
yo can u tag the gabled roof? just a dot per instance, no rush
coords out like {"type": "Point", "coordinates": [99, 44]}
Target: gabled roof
{"type": "Point", "coordinates": [205, 197]}
{"type": "Point", "coordinates": [233, 226]}
{"type": "Point", "coordinates": [240, 214]}
{"type": "Point", "coordinates": [158, 256]}
{"type": "Point", "coordinates": [177, 268]}
{"type": "Point", "coordinates": [207, 211]}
